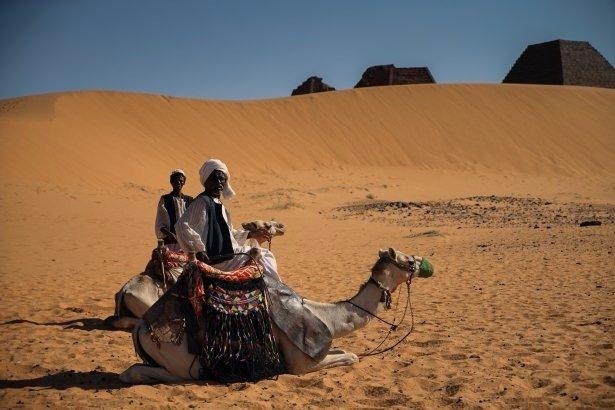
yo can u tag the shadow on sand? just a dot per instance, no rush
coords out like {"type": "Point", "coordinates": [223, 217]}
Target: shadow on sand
{"type": "Point", "coordinates": [86, 323]}
{"type": "Point", "coordinates": [93, 380]}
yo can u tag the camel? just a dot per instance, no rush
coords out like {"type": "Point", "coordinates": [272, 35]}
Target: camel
{"type": "Point", "coordinates": [143, 290]}
{"type": "Point", "coordinates": [392, 269]}
{"type": "Point", "coordinates": [139, 294]}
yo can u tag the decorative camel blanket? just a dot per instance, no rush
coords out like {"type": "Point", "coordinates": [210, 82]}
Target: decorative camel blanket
{"type": "Point", "coordinates": [224, 315]}
{"type": "Point", "coordinates": [173, 315]}
{"type": "Point", "coordinates": [236, 334]}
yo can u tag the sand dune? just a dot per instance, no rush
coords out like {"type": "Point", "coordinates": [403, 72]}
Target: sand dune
{"type": "Point", "coordinates": [107, 136]}
{"type": "Point", "coordinates": [489, 182]}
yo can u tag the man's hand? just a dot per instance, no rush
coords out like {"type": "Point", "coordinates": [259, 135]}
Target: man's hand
{"type": "Point", "coordinates": [169, 238]}
{"type": "Point", "coordinates": [202, 256]}
{"type": "Point", "coordinates": [167, 233]}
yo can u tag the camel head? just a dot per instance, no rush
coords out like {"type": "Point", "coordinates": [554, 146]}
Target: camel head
{"type": "Point", "coordinates": [273, 228]}
{"type": "Point", "coordinates": [394, 268]}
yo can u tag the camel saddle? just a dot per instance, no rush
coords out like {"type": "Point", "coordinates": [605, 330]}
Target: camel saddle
{"type": "Point", "coordinates": [177, 312]}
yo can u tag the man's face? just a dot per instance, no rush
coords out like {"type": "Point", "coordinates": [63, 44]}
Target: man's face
{"type": "Point", "coordinates": [178, 181]}
{"type": "Point", "coordinates": [215, 183]}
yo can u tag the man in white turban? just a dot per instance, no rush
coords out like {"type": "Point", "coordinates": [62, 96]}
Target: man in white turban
{"type": "Point", "coordinates": [206, 229]}
{"type": "Point", "coordinates": [212, 165]}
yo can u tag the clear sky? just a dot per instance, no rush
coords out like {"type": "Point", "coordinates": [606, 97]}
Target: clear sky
{"type": "Point", "coordinates": [257, 49]}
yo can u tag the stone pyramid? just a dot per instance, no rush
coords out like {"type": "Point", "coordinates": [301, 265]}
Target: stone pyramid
{"type": "Point", "coordinates": [562, 62]}
{"type": "Point", "coordinates": [390, 75]}
{"type": "Point", "coordinates": [312, 85]}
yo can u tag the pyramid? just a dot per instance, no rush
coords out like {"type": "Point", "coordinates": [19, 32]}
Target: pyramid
{"type": "Point", "coordinates": [562, 62]}
{"type": "Point", "coordinates": [312, 85]}
{"type": "Point", "coordinates": [390, 75]}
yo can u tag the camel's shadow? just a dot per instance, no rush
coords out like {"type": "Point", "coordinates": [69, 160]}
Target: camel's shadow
{"type": "Point", "coordinates": [87, 323]}
{"type": "Point", "coordinates": [92, 380]}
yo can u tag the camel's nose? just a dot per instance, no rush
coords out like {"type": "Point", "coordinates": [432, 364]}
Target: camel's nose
{"type": "Point", "coordinates": [426, 269]}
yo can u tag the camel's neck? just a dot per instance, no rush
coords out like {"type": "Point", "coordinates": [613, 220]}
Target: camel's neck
{"type": "Point", "coordinates": [343, 318]}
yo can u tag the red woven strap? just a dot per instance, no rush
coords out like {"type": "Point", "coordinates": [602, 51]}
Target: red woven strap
{"type": "Point", "coordinates": [178, 259]}
{"type": "Point", "coordinates": [171, 259]}
{"type": "Point", "coordinates": [243, 274]}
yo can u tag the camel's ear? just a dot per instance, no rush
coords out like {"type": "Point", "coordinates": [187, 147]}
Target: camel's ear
{"type": "Point", "coordinates": [382, 253]}
{"type": "Point", "coordinates": [392, 254]}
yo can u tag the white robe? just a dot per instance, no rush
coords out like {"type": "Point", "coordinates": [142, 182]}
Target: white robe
{"type": "Point", "coordinates": [192, 227]}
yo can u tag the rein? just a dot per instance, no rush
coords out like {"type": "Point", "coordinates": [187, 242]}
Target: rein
{"type": "Point", "coordinates": [386, 295]}
{"type": "Point", "coordinates": [375, 352]}
{"type": "Point", "coordinates": [387, 300]}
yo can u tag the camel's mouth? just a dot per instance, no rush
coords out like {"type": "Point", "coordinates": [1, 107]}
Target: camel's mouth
{"type": "Point", "coordinates": [407, 265]}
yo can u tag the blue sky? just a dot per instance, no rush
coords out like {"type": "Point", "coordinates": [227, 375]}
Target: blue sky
{"type": "Point", "coordinates": [258, 49]}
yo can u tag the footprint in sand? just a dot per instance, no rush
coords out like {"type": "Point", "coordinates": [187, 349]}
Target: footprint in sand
{"type": "Point", "coordinates": [451, 389]}
{"type": "Point", "coordinates": [376, 391]}
{"type": "Point", "coordinates": [430, 343]}
{"type": "Point", "coordinates": [540, 383]}
{"type": "Point", "coordinates": [428, 385]}
{"type": "Point", "coordinates": [557, 389]}
{"type": "Point", "coordinates": [609, 381]}
{"type": "Point", "coordinates": [456, 356]}
{"type": "Point", "coordinates": [311, 383]}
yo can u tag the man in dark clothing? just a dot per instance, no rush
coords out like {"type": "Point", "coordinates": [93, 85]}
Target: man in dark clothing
{"type": "Point", "coordinates": [170, 208]}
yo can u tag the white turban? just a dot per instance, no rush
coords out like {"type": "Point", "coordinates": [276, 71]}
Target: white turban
{"type": "Point", "coordinates": [212, 165]}
{"type": "Point", "coordinates": [178, 171]}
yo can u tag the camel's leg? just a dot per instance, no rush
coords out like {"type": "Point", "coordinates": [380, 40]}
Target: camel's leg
{"type": "Point", "coordinates": [337, 351]}
{"type": "Point", "coordinates": [138, 305]}
{"type": "Point", "coordinates": [298, 362]}
{"type": "Point", "coordinates": [335, 360]}
{"type": "Point", "coordinates": [176, 362]}
{"type": "Point", "coordinates": [125, 322]}
{"type": "Point", "coordinates": [135, 305]}
{"type": "Point", "coordinates": [144, 374]}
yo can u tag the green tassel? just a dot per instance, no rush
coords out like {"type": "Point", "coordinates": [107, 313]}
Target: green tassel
{"type": "Point", "coordinates": [425, 269]}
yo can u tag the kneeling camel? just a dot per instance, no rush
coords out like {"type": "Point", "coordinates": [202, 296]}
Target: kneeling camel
{"type": "Point", "coordinates": [177, 364]}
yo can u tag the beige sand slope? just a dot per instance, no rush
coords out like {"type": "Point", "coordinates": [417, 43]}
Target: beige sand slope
{"type": "Point", "coordinates": [488, 181]}
{"type": "Point", "coordinates": [106, 136]}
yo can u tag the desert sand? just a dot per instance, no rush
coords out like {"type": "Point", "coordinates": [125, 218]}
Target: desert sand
{"type": "Point", "coordinates": [490, 182]}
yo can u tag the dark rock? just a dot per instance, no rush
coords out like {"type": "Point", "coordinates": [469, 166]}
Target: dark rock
{"type": "Point", "coordinates": [590, 223]}
{"type": "Point", "coordinates": [312, 85]}
{"type": "Point", "coordinates": [391, 75]}
{"type": "Point", "coordinates": [562, 62]}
